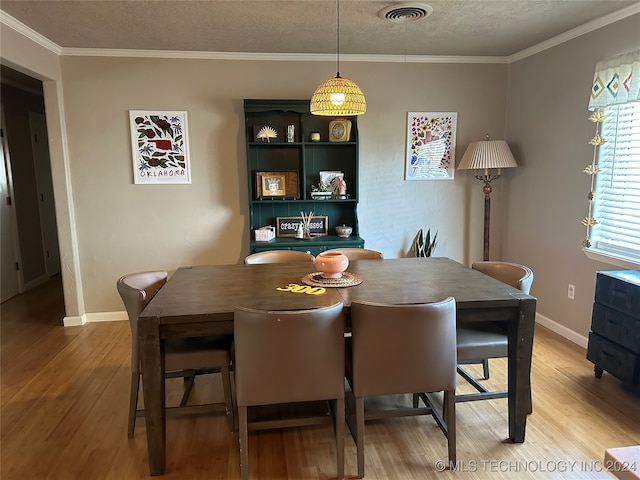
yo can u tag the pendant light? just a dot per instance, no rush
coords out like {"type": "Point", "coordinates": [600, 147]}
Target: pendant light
{"type": "Point", "coordinates": [338, 97]}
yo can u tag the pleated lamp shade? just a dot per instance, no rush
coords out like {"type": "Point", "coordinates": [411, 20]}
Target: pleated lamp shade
{"type": "Point", "coordinates": [338, 97]}
{"type": "Point", "coordinates": [487, 154]}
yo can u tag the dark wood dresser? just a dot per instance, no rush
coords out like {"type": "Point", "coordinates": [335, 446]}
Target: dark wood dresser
{"type": "Point", "coordinates": [614, 339]}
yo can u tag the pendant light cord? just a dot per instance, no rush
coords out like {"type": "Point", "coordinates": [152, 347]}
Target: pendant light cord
{"type": "Point", "coordinates": [338, 41]}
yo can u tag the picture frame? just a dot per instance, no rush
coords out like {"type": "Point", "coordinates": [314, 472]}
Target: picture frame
{"type": "Point", "coordinates": [288, 226]}
{"type": "Point", "coordinates": [291, 184]}
{"type": "Point", "coordinates": [160, 150]}
{"type": "Point", "coordinates": [329, 178]}
{"type": "Point", "coordinates": [273, 185]}
{"type": "Point", "coordinates": [431, 142]}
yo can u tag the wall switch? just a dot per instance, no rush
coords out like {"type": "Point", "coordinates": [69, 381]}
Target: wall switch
{"type": "Point", "coordinates": [571, 291]}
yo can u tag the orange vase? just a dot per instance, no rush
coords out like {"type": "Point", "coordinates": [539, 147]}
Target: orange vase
{"type": "Point", "coordinates": [331, 264]}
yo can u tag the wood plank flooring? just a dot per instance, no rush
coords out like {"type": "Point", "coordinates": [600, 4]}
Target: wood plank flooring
{"type": "Point", "coordinates": [64, 416]}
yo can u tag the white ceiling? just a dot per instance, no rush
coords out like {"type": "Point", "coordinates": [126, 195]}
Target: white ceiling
{"type": "Point", "coordinates": [455, 28]}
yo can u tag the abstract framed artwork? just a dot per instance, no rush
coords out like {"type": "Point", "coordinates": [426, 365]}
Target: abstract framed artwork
{"type": "Point", "coordinates": [431, 145]}
{"type": "Point", "coordinates": [160, 147]}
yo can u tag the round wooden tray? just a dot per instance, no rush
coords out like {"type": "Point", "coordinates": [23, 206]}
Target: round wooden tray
{"type": "Point", "coordinates": [317, 280]}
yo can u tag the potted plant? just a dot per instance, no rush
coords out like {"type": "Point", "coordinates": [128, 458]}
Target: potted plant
{"type": "Point", "coordinates": [424, 245]}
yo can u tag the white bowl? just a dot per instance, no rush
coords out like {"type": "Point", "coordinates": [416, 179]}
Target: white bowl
{"type": "Point", "coordinates": [343, 231]}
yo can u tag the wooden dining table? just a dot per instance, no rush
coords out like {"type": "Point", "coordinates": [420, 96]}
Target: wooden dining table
{"type": "Point", "coordinates": [200, 300]}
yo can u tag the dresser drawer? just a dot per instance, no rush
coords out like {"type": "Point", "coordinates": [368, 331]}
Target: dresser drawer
{"type": "Point", "coordinates": [616, 360]}
{"type": "Point", "coordinates": [619, 290]}
{"type": "Point", "coordinates": [616, 326]}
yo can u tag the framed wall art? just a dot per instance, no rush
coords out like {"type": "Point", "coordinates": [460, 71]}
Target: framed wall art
{"type": "Point", "coordinates": [431, 145]}
{"type": "Point", "coordinates": [159, 146]}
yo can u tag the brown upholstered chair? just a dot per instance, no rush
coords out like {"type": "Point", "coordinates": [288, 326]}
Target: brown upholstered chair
{"type": "Point", "coordinates": [183, 357]}
{"type": "Point", "coordinates": [289, 356]}
{"type": "Point", "coordinates": [279, 256]}
{"type": "Point", "coordinates": [478, 342]}
{"type": "Point", "coordinates": [359, 253]}
{"type": "Point", "coordinates": [402, 349]}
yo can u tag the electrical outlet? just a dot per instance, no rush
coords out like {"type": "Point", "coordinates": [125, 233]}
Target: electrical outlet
{"type": "Point", "coordinates": [571, 291]}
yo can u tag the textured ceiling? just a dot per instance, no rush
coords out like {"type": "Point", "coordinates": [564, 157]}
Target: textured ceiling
{"type": "Point", "coordinates": [465, 28]}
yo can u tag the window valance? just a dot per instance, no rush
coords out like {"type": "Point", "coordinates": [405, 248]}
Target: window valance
{"type": "Point", "coordinates": [616, 81]}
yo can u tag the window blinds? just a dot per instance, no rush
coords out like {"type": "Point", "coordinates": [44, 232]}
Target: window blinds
{"type": "Point", "coordinates": [617, 205]}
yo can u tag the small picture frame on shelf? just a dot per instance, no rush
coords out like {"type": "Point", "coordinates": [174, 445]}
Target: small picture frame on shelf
{"type": "Point", "coordinates": [273, 185]}
{"type": "Point", "coordinates": [265, 134]}
{"type": "Point", "coordinates": [333, 182]}
{"type": "Point", "coordinates": [290, 184]}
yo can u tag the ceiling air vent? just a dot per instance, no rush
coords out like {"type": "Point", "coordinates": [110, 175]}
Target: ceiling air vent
{"type": "Point", "coordinates": [402, 12]}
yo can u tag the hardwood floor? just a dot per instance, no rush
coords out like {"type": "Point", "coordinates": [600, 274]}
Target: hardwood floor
{"type": "Point", "coordinates": [64, 416]}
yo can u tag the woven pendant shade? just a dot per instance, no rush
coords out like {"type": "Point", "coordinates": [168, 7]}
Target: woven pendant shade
{"type": "Point", "coordinates": [338, 97]}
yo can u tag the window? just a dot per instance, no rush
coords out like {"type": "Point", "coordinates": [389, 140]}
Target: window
{"type": "Point", "coordinates": [617, 191]}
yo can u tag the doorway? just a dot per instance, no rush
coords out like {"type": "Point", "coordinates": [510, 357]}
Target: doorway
{"type": "Point", "coordinates": [26, 155]}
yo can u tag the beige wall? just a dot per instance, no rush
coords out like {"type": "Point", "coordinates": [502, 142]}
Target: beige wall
{"type": "Point", "coordinates": [548, 129]}
{"type": "Point", "coordinates": [124, 227]}
{"type": "Point", "coordinates": [120, 227]}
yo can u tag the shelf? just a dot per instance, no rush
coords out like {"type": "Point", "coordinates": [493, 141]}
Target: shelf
{"type": "Point", "coordinates": [305, 160]}
{"type": "Point", "coordinates": [275, 144]}
{"type": "Point", "coordinates": [326, 144]}
{"type": "Point", "coordinates": [306, 200]}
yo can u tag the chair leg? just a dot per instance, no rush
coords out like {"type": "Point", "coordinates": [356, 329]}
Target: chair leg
{"type": "Point", "coordinates": [360, 435]}
{"type": "Point", "coordinates": [228, 399]}
{"type": "Point", "coordinates": [450, 419]}
{"type": "Point", "coordinates": [340, 419]}
{"type": "Point", "coordinates": [244, 443]}
{"type": "Point", "coordinates": [133, 402]}
{"type": "Point", "coordinates": [485, 368]}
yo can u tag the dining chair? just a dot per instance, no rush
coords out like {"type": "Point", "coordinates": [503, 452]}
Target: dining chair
{"type": "Point", "coordinates": [480, 341]}
{"type": "Point", "coordinates": [358, 253]}
{"type": "Point", "coordinates": [285, 357]}
{"type": "Point", "coordinates": [186, 357]}
{"type": "Point", "coordinates": [279, 256]}
{"type": "Point", "coordinates": [402, 349]}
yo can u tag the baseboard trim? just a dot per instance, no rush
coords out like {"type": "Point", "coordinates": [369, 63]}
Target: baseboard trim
{"type": "Point", "coordinates": [107, 316]}
{"type": "Point", "coordinates": [34, 283]}
{"type": "Point", "coordinates": [94, 318]}
{"type": "Point", "coordinates": [562, 331]}
{"type": "Point", "coordinates": [76, 321]}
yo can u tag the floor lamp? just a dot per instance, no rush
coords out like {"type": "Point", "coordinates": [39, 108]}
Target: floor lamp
{"type": "Point", "coordinates": [487, 158]}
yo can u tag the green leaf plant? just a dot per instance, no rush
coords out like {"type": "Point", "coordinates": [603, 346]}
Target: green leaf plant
{"type": "Point", "coordinates": [424, 245]}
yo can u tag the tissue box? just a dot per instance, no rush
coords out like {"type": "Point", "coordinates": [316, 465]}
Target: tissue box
{"type": "Point", "coordinates": [265, 234]}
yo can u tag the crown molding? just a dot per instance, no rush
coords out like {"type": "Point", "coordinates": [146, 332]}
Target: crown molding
{"type": "Point", "coordinates": [8, 21]}
{"type": "Point", "coordinates": [277, 57]}
{"type": "Point", "coordinates": [576, 32]}
{"type": "Point", "coordinates": [11, 22]}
